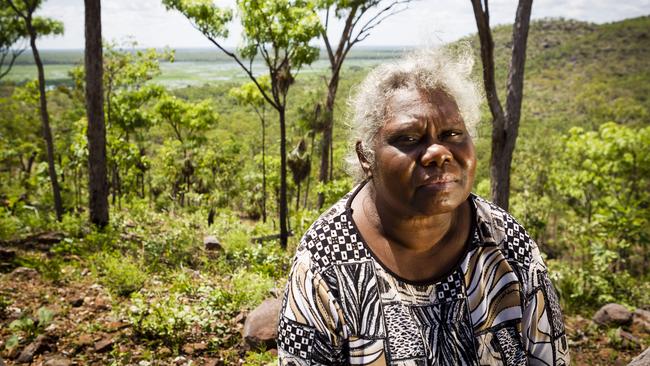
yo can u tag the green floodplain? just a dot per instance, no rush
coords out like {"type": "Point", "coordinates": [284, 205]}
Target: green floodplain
{"type": "Point", "coordinates": [191, 67]}
{"type": "Point", "coordinates": [580, 186]}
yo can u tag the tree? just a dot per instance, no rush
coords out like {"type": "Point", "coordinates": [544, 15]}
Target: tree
{"type": "Point", "coordinates": [278, 31]}
{"type": "Point", "coordinates": [36, 26]}
{"type": "Point", "coordinates": [97, 181]}
{"type": "Point", "coordinates": [250, 95]}
{"type": "Point", "coordinates": [188, 121]}
{"type": "Point", "coordinates": [11, 32]}
{"type": "Point", "coordinates": [505, 124]}
{"type": "Point", "coordinates": [359, 21]}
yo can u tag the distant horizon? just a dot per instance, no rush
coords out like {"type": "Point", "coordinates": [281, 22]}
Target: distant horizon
{"type": "Point", "coordinates": [423, 23]}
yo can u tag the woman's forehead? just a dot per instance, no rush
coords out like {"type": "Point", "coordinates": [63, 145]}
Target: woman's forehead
{"type": "Point", "coordinates": [411, 105]}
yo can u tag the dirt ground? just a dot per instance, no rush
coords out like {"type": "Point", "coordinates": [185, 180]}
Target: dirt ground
{"type": "Point", "coordinates": [86, 330]}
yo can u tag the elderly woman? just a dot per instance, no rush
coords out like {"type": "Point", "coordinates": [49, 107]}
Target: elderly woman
{"type": "Point", "coordinates": [410, 268]}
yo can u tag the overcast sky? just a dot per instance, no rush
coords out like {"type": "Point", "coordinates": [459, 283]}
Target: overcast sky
{"type": "Point", "coordinates": [425, 22]}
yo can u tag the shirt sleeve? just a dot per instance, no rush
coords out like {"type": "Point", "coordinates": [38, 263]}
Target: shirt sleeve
{"type": "Point", "coordinates": [543, 330]}
{"type": "Point", "coordinates": [310, 323]}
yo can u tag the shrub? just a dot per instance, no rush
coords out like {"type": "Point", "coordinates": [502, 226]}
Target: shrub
{"type": "Point", "coordinates": [120, 274]}
{"type": "Point", "coordinates": [167, 320]}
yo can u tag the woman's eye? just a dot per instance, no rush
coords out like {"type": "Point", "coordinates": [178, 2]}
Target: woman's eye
{"type": "Point", "coordinates": [451, 134]}
{"type": "Point", "coordinates": [406, 140]}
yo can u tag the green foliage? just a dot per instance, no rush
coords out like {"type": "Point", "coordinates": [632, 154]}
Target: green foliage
{"type": "Point", "coordinates": [13, 29]}
{"type": "Point", "coordinates": [120, 274]}
{"type": "Point", "coordinates": [167, 320]}
{"type": "Point", "coordinates": [29, 327]}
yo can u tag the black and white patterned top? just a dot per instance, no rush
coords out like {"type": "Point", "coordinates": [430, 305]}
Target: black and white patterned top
{"type": "Point", "coordinates": [496, 307]}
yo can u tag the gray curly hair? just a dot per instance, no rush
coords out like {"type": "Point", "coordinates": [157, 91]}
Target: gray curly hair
{"type": "Point", "coordinates": [435, 69]}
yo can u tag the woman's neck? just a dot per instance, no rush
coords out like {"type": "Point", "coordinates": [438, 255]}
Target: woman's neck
{"type": "Point", "coordinates": [418, 234]}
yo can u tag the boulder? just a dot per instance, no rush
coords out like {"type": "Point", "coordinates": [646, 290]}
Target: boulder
{"type": "Point", "coordinates": [212, 243]}
{"type": "Point", "coordinates": [641, 360]}
{"type": "Point", "coordinates": [641, 319]}
{"type": "Point", "coordinates": [613, 315]}
{"type": "Point", "coordinates": [261, 326]}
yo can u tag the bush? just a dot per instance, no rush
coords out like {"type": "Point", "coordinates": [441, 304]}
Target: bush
{"type": "Point", "coordinates": [120, 274]}
{"type": "Point", "coordinates": [167, 320]}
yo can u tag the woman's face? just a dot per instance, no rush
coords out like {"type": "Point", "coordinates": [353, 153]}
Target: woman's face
{"type": "Point", "coordinates": [424, 155]}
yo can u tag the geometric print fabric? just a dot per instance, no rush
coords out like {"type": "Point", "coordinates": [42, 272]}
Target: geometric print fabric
{"type": "Point", "coordinates": [347, 308]}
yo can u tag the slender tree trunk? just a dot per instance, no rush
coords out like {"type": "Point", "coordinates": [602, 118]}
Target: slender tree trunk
{"type": "Point", "coordinates": [284, 209]}
{"type": "Point", "coordinates": [326, 144]}
{"type": "Point", "coordinates": [263, 171]}
{"type": "Point", "coordinates": [97, 179]}
{"type": "Point", "coordinates": [505, 125]}
{"type": "Point", "coordinates": [45, 119]}
{"type": "Point", "coordinates": [313, 136]}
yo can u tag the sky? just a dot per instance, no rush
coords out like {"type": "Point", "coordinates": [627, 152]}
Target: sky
{"type": "Point", "coordinates": [426, 22]}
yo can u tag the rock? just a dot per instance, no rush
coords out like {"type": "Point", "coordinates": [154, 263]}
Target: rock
{"type": "Point", "coordinates": [57, 361]}
{"type": "Point", "coordinates": [39, 345]}
{"type": "Point", "coordinates": [261, 327]}
{"type": "Point", "coordinates": [115, 326]}
{"type": "Point", "coordinates": [76, 302]}
{"type": "Point", "coordinates": [629, 339]}
{"type": "Point", "coordinates": [240, 318]}
{"type": "Point", "coordinates": [164, 352]}
{"type": "Point", "coordinates": [192, 348]}
{"type": "Point", "coordinates": [85, 340]}
{"type": "Point", "coordinates": [2, 362]}
{"type": "Point", "coordinates": [613, 314]}
{"type": "Point", "coordinates": [208, 362]}
{"type": "Point", "coordinates": [179, 360]}
{"type": "Point", "coordinates": [24, 273]}
{"type": "Point", "coordinates": [102, 303]}
{"type": "Point", "coordinates": [212, 243]}
{"type": "Point", "coordinates": [7, 255]}
{"type": "Point", "coordinates": [641, 319]}
{"type": "Point", "coordinates": [641, 360]}
{"type": "Point", "coordinates": [104, 345]}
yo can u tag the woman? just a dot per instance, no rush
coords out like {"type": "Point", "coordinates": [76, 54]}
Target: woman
{"type": "Point", "coordinates": [410, 268]}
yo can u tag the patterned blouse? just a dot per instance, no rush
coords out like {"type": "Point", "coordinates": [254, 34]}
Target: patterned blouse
{"type": "Point", "coordinates": [342, 306]}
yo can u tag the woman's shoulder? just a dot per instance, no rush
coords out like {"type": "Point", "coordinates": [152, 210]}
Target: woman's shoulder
{"type": "Point", "coordinates": [332, 238]}
{"type": "Point", "coordinates": [498, 227]}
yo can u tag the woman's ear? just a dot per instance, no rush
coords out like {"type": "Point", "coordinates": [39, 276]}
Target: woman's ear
{"type": "Point", "coordinates": [363, 159]}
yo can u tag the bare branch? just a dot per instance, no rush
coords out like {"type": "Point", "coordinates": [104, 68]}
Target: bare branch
{"type": "Point", "coordinates": [248, 71]}
{"type": "Point", "coordinates": [377, 19]}
{"type": "Point", "coordinates": [14, 56]}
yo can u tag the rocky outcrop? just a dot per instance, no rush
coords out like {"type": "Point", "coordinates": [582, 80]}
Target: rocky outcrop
{"type": "Point", "coordinates": [613, 315]}
{"type": "Point", "coordinates": [261, 327]}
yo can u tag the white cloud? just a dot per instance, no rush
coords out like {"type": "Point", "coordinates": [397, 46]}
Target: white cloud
{"type": "Point", "coordinates": [427, 21]}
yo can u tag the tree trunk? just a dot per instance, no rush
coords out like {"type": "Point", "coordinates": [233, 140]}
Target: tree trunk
{"type": "Point", "coordinates": [97, 179]}
{"type": "Point", "coordinates": [284, 210]}
{"type": "Point", "coordinates": [45, 119]}
{"type": "Point", "coordinates": [505, 125]}
{"type": "Point", "coordinates": [263, 171]}
{"type": "Point", "coordinates": [326, 143]}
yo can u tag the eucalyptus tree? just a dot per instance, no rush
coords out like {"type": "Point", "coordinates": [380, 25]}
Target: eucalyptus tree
{"type": "Point", "coordinates": [505, 124]}
{"type": "Point", "coordinates": [96, 132]}
{"type": "Point", "coordinates": [34, 27]}
{"type": "Point", "coordinates": [12, 33]}
{"type": "Point", "coordinates": [249, 94]}
{"type": "Point", "coordinates": [279, 33]}
{"type": "Point", "coordinates": [126, 95]}
{"type": "Point", "coordinates": [189, 122]}
{"type": "Point", "coordinates": [359, 17]}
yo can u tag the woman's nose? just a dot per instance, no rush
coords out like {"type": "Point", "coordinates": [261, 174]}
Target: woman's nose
{"type": "Point", "coordinates": [436, 154]}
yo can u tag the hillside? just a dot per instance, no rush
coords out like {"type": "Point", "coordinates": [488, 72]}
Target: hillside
{"type": "Point", "coordinates": [187, 255]}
